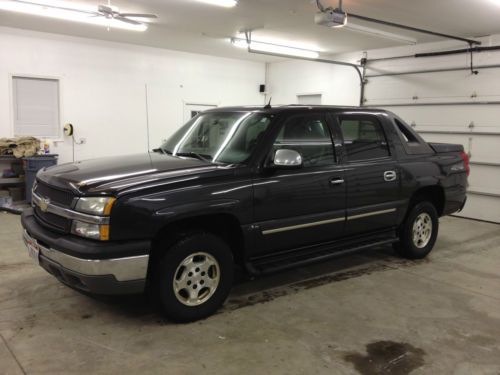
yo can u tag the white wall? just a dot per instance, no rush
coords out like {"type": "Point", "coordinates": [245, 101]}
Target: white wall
{"type": "Point", "coordinates": [337, 85]}
{"type": "Point", "coordinates": [340, 86]}
{"type": "Point", "coordinates": [103, 88]}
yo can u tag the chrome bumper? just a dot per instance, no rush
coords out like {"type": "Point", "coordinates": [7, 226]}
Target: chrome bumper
{"type": "Point", "coordinates": [123, 269]}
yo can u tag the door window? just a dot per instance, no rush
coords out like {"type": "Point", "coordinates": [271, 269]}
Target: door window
{"type": "Point", "coordinates": [308, 135]}
{"type": "Point", "coordinates": [364, 139]}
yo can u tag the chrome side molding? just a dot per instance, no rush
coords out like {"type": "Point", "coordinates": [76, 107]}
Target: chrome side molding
{"type": "Point", "coordinates": [300, 226]}
{"type": "Point", "coordinates": [328, 221]}
{"type": "Point", "coordinates": [373, 213]}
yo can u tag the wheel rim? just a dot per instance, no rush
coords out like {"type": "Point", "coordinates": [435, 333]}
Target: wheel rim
{"type": "Point", "coordinates": [196, 279]}
{"type": "Point", "coordinates": [422, 230]}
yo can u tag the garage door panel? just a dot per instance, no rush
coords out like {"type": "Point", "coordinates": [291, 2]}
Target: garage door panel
{"type": "Point", "coordinates": [482, 207]}
{"type": "Point", "coordinates": [485, 117]}
{"type": "Point", "coordinates": [444, 86]}
{"type": "Point", "coordinates": [483, 148]}
{"type": "Point", "coordinates": [485, 178]}
{"type": "Point", "coordinates": [450, 123]}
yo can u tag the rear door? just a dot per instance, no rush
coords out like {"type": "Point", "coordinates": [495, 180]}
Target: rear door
{"type": "Point", "coordinates": [300, 207]}
{"type": "Point", "coordinates": [371, 173]}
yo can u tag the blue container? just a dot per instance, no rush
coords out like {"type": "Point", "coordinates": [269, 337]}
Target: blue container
{"type": "Point", "coordinates": [32, 165]}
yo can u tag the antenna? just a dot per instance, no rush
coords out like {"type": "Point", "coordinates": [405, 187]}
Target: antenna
{"type": "Point", "coordinates": [147, 113]}
{"type": "Point", "coordinates": [268, 105]}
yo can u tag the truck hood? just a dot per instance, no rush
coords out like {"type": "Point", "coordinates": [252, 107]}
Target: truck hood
{"type": "Point", "coordinates": [114, 174]}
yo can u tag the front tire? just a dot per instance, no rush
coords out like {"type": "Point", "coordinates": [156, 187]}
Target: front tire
{"type": "Point", "coordinates": [194, 277]}
{"type": "Point", "coordinates": [419, 231]}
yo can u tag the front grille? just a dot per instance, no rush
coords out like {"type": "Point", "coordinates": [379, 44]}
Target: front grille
{"type": "Point", "coordinates": [56, 222]}
{"type": "Point", "coordinates": [60, 197]}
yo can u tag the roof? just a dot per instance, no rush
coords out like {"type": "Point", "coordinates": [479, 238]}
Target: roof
{"type": "Point", "coordinates": [296, 108]}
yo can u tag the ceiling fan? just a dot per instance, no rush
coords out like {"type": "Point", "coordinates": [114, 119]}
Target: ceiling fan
{"type": "Point", "coordinates": [110, 12]}
{"type": "Point", "coordinates": [103, 11]}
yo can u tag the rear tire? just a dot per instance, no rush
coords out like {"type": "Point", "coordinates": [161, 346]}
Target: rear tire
{"type": "Point", "coordinates": [194, 277]}
{"type": "Point", "coordinates": [418, 233]}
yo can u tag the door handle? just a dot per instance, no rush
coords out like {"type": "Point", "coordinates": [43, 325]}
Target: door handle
{"type": "Point", "coordinates": [390, 176]}
{"type": "Point", "coordinates": [336, 181]}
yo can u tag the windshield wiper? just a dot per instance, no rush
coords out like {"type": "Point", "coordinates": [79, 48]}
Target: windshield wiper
{"type": "Point", "coordinates": [190, 154]}
{"type": "Point", "coordinates": [162, 151]}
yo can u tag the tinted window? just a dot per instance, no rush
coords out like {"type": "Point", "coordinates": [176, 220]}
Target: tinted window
{"type": "Point", "coordinates": [408, 136]}
{"type": "Point", "coordinates": [309, 135]}
{"type": "Point", "coordinates": [226, 137]}
{"type": "Point", "coordinates": [363, 139]}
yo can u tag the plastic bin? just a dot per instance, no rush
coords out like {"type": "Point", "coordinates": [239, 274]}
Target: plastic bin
{"type": "Point", "coordinates": [32, 165]}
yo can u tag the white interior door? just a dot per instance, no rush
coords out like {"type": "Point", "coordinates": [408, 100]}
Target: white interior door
{"type": "Point", "coordinates": [191, 110]}
{"type": "Point", "coordinates": [309, 99]}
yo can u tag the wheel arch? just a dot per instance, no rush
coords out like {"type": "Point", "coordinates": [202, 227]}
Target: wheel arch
{"type": "Point", "coordinates": [433, 193]}
{"type": "Point", "coordinates": [224, 225]}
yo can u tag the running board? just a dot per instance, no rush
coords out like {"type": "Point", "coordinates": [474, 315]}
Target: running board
{"type": "Point", "coordinates": [267, 265]}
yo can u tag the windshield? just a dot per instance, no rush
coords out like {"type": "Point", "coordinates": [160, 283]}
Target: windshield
{"type": "Point", "coordinates": [224, 137]}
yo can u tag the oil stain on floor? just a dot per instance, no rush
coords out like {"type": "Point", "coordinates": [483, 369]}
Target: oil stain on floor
{"type": "Point", "coordinates": [387, 357]}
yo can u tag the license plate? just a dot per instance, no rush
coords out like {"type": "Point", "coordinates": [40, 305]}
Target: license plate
{"type": "Point", "coordinates": [33, 249]}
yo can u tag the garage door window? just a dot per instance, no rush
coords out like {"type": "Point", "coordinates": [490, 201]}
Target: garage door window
{"type": "Point", "coordinates": [36, 107]}
{"type": "Point", "coordinates": [364, 139]}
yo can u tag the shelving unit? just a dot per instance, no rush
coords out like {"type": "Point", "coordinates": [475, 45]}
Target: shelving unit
{"type": "Point", "coordinates": [6, 182]}
{"type": "Point", "coordinates": [11, 181]}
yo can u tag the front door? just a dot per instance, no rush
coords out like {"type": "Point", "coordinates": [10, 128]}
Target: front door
{"type": "Point", "coordinates": [300, 207]}
{"type": "Point", "coordinates": [371, 173]}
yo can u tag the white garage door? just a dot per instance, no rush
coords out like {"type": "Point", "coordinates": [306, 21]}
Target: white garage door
{"type": "Point", "coordinates": [454, 107]}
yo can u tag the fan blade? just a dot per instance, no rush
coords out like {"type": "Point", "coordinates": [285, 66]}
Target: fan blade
{"type": "Point", "coordinates": [138, 15]}
{"type": "Point", "coordinates": [124, 19]}
{"type": "Point", "coordinates": [105, 9]}
{"type": "Point", "coordinates": [56, 7]}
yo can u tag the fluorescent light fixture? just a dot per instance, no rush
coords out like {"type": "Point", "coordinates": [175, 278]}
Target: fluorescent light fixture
{"type": "Point", "coordinates": [63, 11]}
{"type": "Point", "coordinates": [274, 48]}
{"type": "Point", "coordinates": [221, 3]}
{"type": "Point", "coordinates": [380, 33]}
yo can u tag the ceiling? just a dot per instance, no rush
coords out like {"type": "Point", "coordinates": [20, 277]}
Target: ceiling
{"type": "Point", "coordinates": [191, 26]}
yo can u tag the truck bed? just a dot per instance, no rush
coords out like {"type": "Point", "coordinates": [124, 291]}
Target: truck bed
{"type": "Point", "coordinates": [442, 148]}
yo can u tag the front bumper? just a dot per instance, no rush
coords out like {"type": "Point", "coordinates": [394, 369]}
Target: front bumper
{"type": "Point", "coordinates": [95, 267]}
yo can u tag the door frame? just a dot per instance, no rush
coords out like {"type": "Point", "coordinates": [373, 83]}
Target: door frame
{"type": "Point", "coordinates": [366, 212]}
{"type": "Point", "coordinates": [195, 105]}
{"type": "Point", "coordinates": [288, 225]}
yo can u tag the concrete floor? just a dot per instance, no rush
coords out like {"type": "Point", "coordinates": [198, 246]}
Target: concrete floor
{"type": "Point", "coordinates": [369, 313]}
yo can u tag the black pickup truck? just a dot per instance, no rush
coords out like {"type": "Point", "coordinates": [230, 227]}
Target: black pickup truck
{"type": "Point", "coordinates": [261, 188]}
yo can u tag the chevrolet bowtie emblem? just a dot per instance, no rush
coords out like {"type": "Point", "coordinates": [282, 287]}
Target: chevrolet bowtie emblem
{"type": "Point", "coordinates": [44, 204]}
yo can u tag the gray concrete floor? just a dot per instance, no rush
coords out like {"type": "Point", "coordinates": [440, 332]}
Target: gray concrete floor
{"type": "Point", "coordinates": [369, 313]}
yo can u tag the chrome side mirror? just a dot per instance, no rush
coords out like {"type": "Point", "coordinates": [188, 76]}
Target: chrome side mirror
{"type": "Point", "coordinates": [288, 159]}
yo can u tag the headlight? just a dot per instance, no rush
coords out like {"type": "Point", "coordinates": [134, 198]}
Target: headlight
{"type": "Point", "coordinates": [93, 231]}
{"type": "Point", "coordinates": [95, 205]}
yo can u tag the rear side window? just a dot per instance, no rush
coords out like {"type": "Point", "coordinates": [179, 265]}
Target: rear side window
{"type": "Point", "coordinates": [412, 143]}
{"type": "Point", "coordinates": [364, 138]}
{"type": "Point", "coordinates": [309, 135]}
{"type": "Point", "coordinates": [408, 136]}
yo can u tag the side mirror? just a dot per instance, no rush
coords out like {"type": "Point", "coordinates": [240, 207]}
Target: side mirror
{"type": "Point", "coordinates": [287, 159]}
